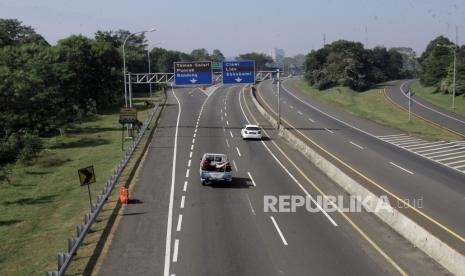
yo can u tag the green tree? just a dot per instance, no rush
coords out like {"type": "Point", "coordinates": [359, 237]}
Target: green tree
{"type": "Point", "coordinates": [13, 32]}
{"type": "Point", "coordinates": [217, 56]}
{"type": "Point", "coordinates": [200, 54]}
{"type": "Point", "coordinates": [435, 61]}
{"type": "Point", "coordinates": [260, 60]}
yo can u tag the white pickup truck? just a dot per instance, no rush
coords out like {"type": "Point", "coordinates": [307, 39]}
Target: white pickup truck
{"type": "Point", "coordinates": [215, 167]}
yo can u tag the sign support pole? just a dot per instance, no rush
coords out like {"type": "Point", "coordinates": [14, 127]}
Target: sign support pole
{"type": "Point", "coordinates": [409, 104]}
{"type": "Point", "coordinates": [90, 197]}
{"type": "Point", "coordinates": [279, 101]}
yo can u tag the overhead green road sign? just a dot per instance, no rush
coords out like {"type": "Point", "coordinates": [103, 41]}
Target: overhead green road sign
{"type": "Point", "coordinates": [216, 65]}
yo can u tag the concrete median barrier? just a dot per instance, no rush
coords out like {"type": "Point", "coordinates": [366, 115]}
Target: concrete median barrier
{"type": "Point", "coordinates": [438, 250]}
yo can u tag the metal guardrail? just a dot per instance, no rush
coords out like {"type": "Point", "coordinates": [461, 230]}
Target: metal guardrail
{"type": "Point", "coordinates": [65, 259]}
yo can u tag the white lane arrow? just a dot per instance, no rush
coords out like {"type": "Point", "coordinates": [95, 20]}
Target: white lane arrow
{"type": "Point", "coordinates": [238, 79]}
{"type": "Point", "coordinates": [193, 80]}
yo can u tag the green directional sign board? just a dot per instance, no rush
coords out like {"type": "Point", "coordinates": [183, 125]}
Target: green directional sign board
{"type": "Point", "coordinates": [216, 65]}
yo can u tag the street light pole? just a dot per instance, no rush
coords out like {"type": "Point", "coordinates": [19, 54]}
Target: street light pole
{"type": "Point", "coordinates": [279, 99]}
{"type": "Point", "coordinates": [455, 65]}
{"type": "Point", "coordinates": [124, 62]}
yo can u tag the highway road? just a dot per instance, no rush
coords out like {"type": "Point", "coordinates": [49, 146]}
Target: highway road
{"type": "Point", "coordinates": [424, 109]}
{"type": "Point", "coordinates": [180, 227]}
{"type": "Point", "coordinates": [357, 146]}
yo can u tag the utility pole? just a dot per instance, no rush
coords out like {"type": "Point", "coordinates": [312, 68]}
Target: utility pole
{"type": "Point", "coordinates": [366, 37]}
{"type": "Point", "coordinates": [455, 66]}
{"type": "Point", "coordinates": [150, 84]}
{"type": "Point", "coordinates": [279, 98]}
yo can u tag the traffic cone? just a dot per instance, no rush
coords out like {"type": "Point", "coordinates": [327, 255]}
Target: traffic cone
{"type": "Point", "coordinates": [123, 195]}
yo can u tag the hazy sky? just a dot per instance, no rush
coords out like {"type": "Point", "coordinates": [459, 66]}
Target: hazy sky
{"type": "Point", "coordinates": [239, 26]}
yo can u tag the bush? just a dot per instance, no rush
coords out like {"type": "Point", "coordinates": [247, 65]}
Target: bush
{"type": "Point", "coordinates": [31, 147]}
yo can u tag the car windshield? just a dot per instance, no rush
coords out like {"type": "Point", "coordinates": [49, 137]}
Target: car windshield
{"type": "Point", "coordinates": [252, 128]}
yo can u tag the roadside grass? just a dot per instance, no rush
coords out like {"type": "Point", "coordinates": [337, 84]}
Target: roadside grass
{"type": "Point", "coordinates": [430, 94]}
{"type": "Point", "coordinates": [44, 202]}
{"type": "Point", "coordinates": [373, 105]}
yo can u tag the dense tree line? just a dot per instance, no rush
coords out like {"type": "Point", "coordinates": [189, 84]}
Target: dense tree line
{"type": "Point", "coordinates": [437, 65]}
{"type": "Point", "coordinates": [44, 89]}
{"type": "Point", "coordinates": [349, 64]}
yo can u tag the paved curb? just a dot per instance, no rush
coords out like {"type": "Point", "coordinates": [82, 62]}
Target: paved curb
{"type": "Point", "coordinates": [441, 252]}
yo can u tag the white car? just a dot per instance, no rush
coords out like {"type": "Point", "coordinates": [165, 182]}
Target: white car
{"type": "Point", "coordinates": [251, 132]}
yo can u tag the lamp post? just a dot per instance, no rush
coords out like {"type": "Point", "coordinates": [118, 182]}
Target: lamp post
{"type": "Point", "coordinates": [124, 63]}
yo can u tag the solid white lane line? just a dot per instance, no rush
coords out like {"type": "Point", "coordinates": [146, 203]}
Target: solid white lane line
{"type": "Point", "coordinates": [457, 167]}
{"type": "Point", "coordinates": [190, 154]}
{"type": "Point", "coordinates": [442, 153]}
{"type": "Point", "coordinates": [405, 170]}
{"type": "Point", "coordinates": [425, 145]}
{"type": "Point", "coordinates": [193, 140]}
{"type": "Point", "coordinates": [185, 186]}
{"type": "Point", "coordinates": [300, 113]}
{"type": "Point", "coordinates": [238, 152]}
{"type": "Point", "coordinates": [449, 145]}
{"type": "Point", "coordinates": [358, 146]}
{"type": "Point", "coordinates": [178, 228]}
{"type": "Point", "coordinates": [183, 198]}
{"type": "Point", "coordinates": [169, 224]}
{"type": "Point", "coordinates": [192, 147]}
{"type": "Point", "coordinates": [227, 122]}
{"type": "Point", "coordinates": [234, 163]}
{"type": "Point", "coordinates": [251, 178]}
{"type": "Point", "coordinates": [189, 163]}
{"type": "Point", "coordinates": [330, 131]}
{"type": "Point", "coordinates": [176, 248]}
{"type": "Point", "coordinates": [230, 133]}
{"type": "Point", "coordinates": [455, 162]}
{"type": "Point", "coordinates": [391, 135]}
{"type": "Point", "coordinates": [250, 204]}
{"type": "Point", "coordinates": [279, 230]}
{"type": "Point", "coordinates": [450, 158]}
{"type": "Point", "coordinates": [187, 173]}
{"type": "Point", "coordinates": [411, 142]}
{"type": "Point", "coordinates": [400, 140]}
{"type": "Point", "coordinates": [227, 143]}
{"type": "Point", "coordinates": [311, 120]}
{"type": "Point", "coordinates": [287, 171]}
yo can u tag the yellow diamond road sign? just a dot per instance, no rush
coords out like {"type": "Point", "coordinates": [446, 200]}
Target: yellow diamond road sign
{"type": "Point", "coordinates": [86, 175]}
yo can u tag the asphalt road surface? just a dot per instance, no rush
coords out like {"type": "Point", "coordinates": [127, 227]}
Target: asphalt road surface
{"type": "Point", "coordinates": [382, 167]}
{"type": "Point", "coordinates": [398, 93]}
{"type": "Point", "coordinates": [180, 227]}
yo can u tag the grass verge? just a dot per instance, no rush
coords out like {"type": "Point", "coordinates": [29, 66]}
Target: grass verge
{"type": "Point", "coordinates": [430, 94]}
{"type": "Point", "coordinates": [372, 105]}
{"type": "Point", "coordinates": [43, 202]}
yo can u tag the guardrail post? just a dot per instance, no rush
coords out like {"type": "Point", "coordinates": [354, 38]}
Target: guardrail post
{"type": "Point", "coordinates": [71, 242]}
{"type": "Point", "coordinates": [79, 229]}
{"type": "Point", "coordinates": [61, 260]}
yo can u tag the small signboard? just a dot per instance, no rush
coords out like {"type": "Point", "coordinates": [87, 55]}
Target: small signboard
{"type": "Point", "coordinates": [127, 115]}
{"type": "Point", "coordinates": [193, 73]}
{"type": "Point", "coordinates": [86, 175]}
{"type": "Point", "coordinates": [235, 72]}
